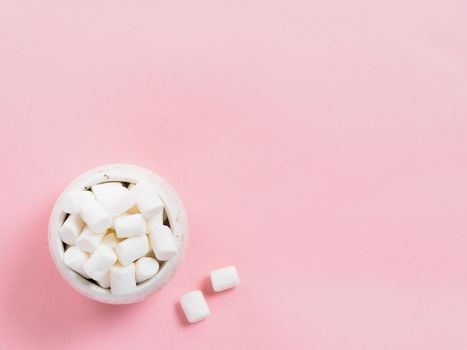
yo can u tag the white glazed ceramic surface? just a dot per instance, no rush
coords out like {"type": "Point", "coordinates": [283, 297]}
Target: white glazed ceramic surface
{"type": "Point", "coordinates": [175, 213]}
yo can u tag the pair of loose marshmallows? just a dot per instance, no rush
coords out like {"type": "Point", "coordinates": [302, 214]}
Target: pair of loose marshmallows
{"type": "Point", "coordinates": [116, 235]}
{"type": "Point", "coordinates": [193, 303]}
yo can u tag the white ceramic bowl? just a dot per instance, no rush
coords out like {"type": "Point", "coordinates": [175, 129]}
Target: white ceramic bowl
{"type": "Point", "coordinates": [175, 214]}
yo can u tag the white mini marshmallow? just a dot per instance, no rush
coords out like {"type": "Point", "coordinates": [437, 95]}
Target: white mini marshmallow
{"type": "Point", "coordinates": [155, 221]}
{"type": "Point", "coordinates": [88, 241]}
{"type": "Point", "coordinates": [100, 262]}
{"type": "Point", "coordinates": [194, 306]}
{"type": "Point", "coordinates": [95, 216]}
{"type": "Point", "coordinates": [130, 225]}
{"type": "Point", "coordinates": [104, 282]}
{"type": "Point", "coordinates": [72, 201]}
{"type": "Point", "coordinates": [131, 249]}
{"type": "Point", "coordinates": [147, 199]}
{"type": "Point", "coordinates": [75, 259]}
{"type": "Point", "coordinates": [113, 197]}
{"type": "Point", "coordinates": [145, 268]}
{"type": "Point", "coordinates": [122, 279]}
{"type": "Point", "coordinates": [71, 229]}
{"type": "Point", "coordinates": [163, 242]}
{"type": "Point", "coordinates": [111, 240]}
{"type": "Point", "coordinates": [224, 278]}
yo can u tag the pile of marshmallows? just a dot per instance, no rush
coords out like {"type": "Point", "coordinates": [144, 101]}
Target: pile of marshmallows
{"type": "Point", "coordinates": [116, 235]}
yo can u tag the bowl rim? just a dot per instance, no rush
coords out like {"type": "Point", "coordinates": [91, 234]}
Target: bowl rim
{"type": "Point", "coordinates": [173, 207]}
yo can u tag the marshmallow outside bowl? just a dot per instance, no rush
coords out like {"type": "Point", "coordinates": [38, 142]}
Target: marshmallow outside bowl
{"type": "Point", "coordinates": [175, 213]}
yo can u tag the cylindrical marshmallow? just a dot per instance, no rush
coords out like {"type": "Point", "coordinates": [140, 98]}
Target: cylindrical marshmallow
{"type": "Point", "coordinates": [71, 229]}
{"type": "Point", "coordinates": [130, 225]}
{"type": "Point", "coordinates": [122, 279]}
{"type": "Point", "coordinates": [145, 268]}
{"type": "Point", "coordinates": [147, 199]}
{"type": "Point", "coordinates": [163, 242]}
{"type": "Point", "coordinates": [194, 306]}
{"type": "Point", "coordinates": [113, 197]}
{"type": "Point", "coordinates": [111, 240]}
{"type": "Point", "coordinates": [88, 241]}
{"type": "Point", "coordinates": [100, 262]}
{"type": "Point", "coordinates": [73, 200]}
{"type": "Point", "coordinates": [224, 278]}
{"type": "Point", "coordinates": [95, 216]}
{"type": "Point", "coordinates": [131, 249]}
{"type": "Point", "coordinates": [75, 259]}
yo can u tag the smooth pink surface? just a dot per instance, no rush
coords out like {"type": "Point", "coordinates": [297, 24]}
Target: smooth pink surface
{"type": "Point", "coordinates": [319, 146]}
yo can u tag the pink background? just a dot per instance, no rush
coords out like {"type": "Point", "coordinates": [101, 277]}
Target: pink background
{"type": "Point", "coordinates": [319, 146]}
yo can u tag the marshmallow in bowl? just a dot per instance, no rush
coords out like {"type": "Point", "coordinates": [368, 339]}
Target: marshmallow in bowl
{"type": "Point", "coordinates": [163, 242]}
{"type": "Point", "coordinates": [71, 229]}
{"type": "Point", "coordinates": [147, 199]}
{"type": "Point", "coordinates": [122, 279]}
{"type": "Point", "coordinates": [113, 197]}
{"type": "Point", "coordinates": [100, 262]}
{"type": "Point", "coordinates": [131, 249]}
{"type": "Point", "coordinates": [72, 201]}
{"type": "Point", "coordinates": [145, 268]}
{"type": "Point", "coordinates": [130, 226]}
{"type": "Point", "coordinates": [88, 241]}
{"type": "Point", "coordinates": [75, 259]}
{"type": "Point", "coordinates": [95, 216]}
{"type": "Point", "coordinates": [116, 234]}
